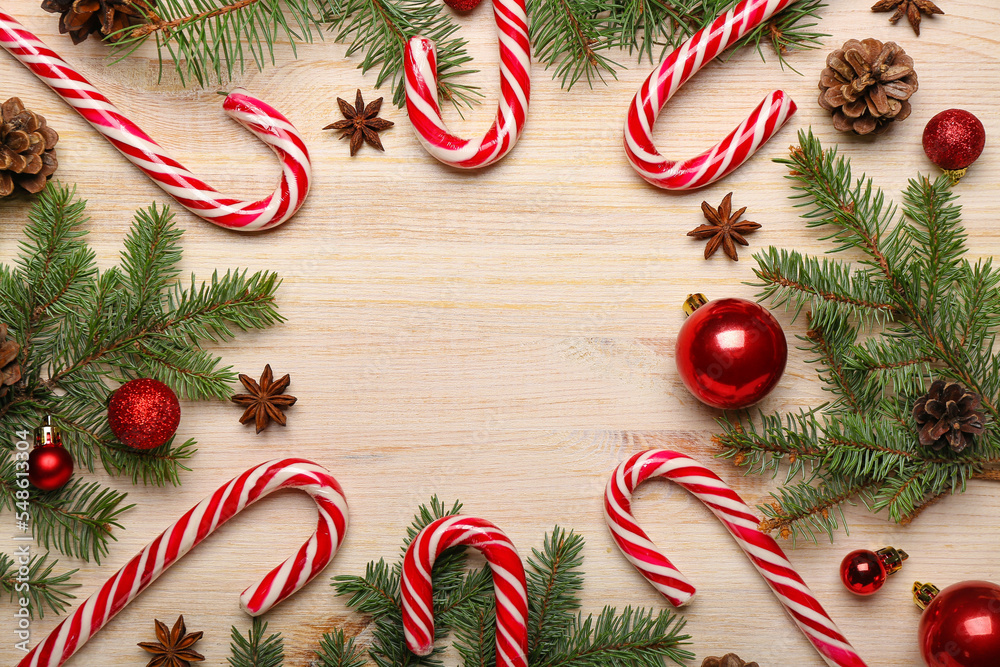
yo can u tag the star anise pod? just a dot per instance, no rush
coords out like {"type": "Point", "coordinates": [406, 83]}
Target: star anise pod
{"type": "Point", "coordinates": [265, 402]}
{"type": "Point", "coordinates": [723, 228]}
{"type": "Point", "coordinates": [174, 648]}
{"type": "Point", "coordinates": [361, 123]}
{"type": "Point", "coordinates": [911, 9]}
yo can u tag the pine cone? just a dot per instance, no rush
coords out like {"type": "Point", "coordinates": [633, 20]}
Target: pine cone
{"type": "Point", "coordinates": [27, 149]}
{"type": "Point", "coordinates": [10, 370]}
{"type": "Point", "coordinates": [947, 415]}
{"type": "Point", "coordinates": [866, 85]}
{"type": "Point", "coordinates": [728, 660]}
{"type": "Point", "coordinates": [80, 18]}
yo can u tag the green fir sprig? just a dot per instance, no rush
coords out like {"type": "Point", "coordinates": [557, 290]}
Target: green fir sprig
{"type": "Point", "coordinates": [83, 332]}
{"type": "Point", "coordinates": [464, 605]}
{"type": "Point", "coordinates": [909, 310]}
{"type": "Point", "coordinates": [580, 40]}
{"type": "Point", "coordinates": [256, 649]}
{"type": "Point", "coordinates": [41, 587]}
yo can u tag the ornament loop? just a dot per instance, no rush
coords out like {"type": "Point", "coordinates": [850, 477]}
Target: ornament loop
{"type": "Point", "coordinates": [197, 524]}
{"type": "Point", "coordinates": [685, 61]}
{"type": "Point", "coordinates": [262, 120]}
{"type": "Point", "coordinates": [420, 65]}
{"type": "Point", "coordinates": [760, 548]}
{"type": "Point", "coordinates": [508, 582]}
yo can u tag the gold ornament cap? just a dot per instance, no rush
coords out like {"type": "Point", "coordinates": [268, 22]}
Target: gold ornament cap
{"type": "Point", "coordinates": [47, 435]}
{"type": "Point", "coordinates": [924, 593]}
{"type": "Point", "coordinates": [892, 559]}
{"type": "Point", "coordinates": [693, 302]}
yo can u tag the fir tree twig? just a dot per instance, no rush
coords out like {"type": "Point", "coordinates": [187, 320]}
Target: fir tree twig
{"type": "Point", "coordinates": [256, 650]}
{"type": "Point", "coordinates": [911, 310]}
{"type": "Point", "coordinates": [42, 588]}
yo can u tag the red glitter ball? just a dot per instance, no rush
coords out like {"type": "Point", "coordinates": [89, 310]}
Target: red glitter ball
{"type": "Point", "coordinates": [954, 139]}
{"type": "Point", "coordinates": [144, 413]}
{"type": "Point", "coordinates": [463, 5]}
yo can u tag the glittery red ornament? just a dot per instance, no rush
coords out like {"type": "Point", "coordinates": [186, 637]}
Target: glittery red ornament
{"type": "Point", "coordinates": [953, 140]}
{"type": "Point", "coordinates": [730, 352]}
{"type": "Point", "coordinates": [463, 5]}
{"type": "Point", "coordinates": [49, 464]}
{"type": "Point", "coordinates": [144, 413]}
{"type": "Point", "coordinates": [960, 626]}
{"type": "Point", "coordinates": [863, 572]}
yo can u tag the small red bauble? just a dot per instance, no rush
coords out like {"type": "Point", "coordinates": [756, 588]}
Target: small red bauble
{"type": "Point", "coordinates": [961, 625]}
{"type": "Point", "coordinates": [953, 140]}
{"type": "Point", "coordinates": [49, 464]}
{"type": "Point", "coordinates": [863, 572]}
{"type": "Point", "coordinates": [463, 5]}
{"type": "Point", "coordinates": [730, 352]}
{"type": "Point", "coordinates": [144, 413]}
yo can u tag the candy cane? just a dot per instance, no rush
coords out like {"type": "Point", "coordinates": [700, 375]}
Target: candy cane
{"type": "Point", "coordinates": [262, 120]}
{"type": "Point", "coordinates": [508, 583]}
{"type": "Point", "coordinates": [199, 522]}
{"type": "Point", "coordinates": [420, 64]}
{"type": "Point", "coordinates": [671, 74]}
{"type": "Point", "coordinates": [760, 548]}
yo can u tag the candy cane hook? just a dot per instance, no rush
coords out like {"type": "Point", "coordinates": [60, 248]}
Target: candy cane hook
{"type": "Point", "coordinates": [420, 64]}
{"type": "Point", "coordinates": [735, 515]}
{"type": "Point", "coordinates": [197, 524]}
{"type": "Point", "coordinates": [671, 74]}
{"type": "Point", "coordinates": [508, 583]}
{"type": "Point", "coordinates": [266, 123]}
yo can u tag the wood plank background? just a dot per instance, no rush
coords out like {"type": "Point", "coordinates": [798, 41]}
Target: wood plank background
{"type": "Point", "coordinates": [505, 336]}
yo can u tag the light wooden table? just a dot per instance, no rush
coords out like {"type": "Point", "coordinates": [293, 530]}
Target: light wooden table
{"type": "Point", "coordinates": [504, 337]}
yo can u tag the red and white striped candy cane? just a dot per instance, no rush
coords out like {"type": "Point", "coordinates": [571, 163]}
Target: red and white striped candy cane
{"type": "Point", "coordinates": [508, 583]}
{"type": "Point", "coordinates": [266, 123]}
{"type": "Point", "coordinates": [760, 548]}
{"type": "Point", "coordinates": [420, 65]}
{"type": "Point", "coordinates": [197, 524]}
{"type": "Point", "coordinates": [671, 74]}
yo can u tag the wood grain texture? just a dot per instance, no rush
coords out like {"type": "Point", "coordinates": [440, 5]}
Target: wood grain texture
{"type": "Point", "coordinates": [504, 336]}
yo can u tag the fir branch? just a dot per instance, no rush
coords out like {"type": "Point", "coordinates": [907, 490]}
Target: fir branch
{"type": "Point", "coordinates": [41, 588]}
{"type": "Point", "coordinates": [77, 519]}
{"type": "Point", "coordinates": [335, 650]}
{"type": "Point", "coordinates": [557, 635]}
{"type": "Point", "coordinates": [380, 30]}
{"type": "Point", "coordinates": [256, 650]}
{"type": "Point", "coordinates": [912, 310]}
{"type": "Point", "coordinates": [634, 638]}
{"type": "Point", "coordinates": [569, 35]}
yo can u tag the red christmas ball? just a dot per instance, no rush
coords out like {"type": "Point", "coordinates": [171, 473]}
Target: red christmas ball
{"type": "Point", "coordinates": [463, 5]}
{"type": "Point", "coordinates": [730, 352]}
{"type": "Point", "coordinates": [49, 467]}
{"type": "Point", "coordinates": [954, 139]}
{"type": "Point", "coordinates": [961, 626]}
{"type": "Point", "coordinates": [144, 413]}
{"type": "Point", "coordinates": [862, 572]}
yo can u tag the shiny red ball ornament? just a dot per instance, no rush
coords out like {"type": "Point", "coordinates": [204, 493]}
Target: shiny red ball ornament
{"type": "Point", "coordinates": [49, 464]}
{"type": "Point", "coordinates": [864, 572]}
{"type": "Point", "coordinates": [953, 140]}
{"type": "Point", "coordinates": [730, 352]}
{"type": "Point", "coordinates": [960, 626]}
{"type": "Point", "coordinates": [144, 413]}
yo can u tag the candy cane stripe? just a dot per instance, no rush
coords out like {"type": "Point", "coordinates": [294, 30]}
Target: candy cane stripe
{"type": "Point", "coordinates": [266, 123]}
{"type": "Point", "coordinates": [508, 584]}
{"type": "Point", "coordinates": [761, 549]}
{"type": "Point", "coordinates": [683, 63]}
{"type": "Point", "coordinates": [423, 107]}
{"type": "Point", "coordinates": [198, 523]}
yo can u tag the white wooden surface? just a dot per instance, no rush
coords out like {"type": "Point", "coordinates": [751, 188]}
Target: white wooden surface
{"type": "Point", "coordinates": [503, 337]}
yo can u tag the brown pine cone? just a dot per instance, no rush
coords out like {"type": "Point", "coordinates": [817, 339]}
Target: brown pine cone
{"type": "Point", "coordinates": [947, 415]}
{"type": "Point", "coordinates": [80, 18]}
{"type": "Point", "coordinates": [728, 660]}
{"type": "Point", "coordinates": [27, 149]}
{"type": "Point", "coordinates": [10, 369]}
{"type": "Point", "coordinates": [866, 85]}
